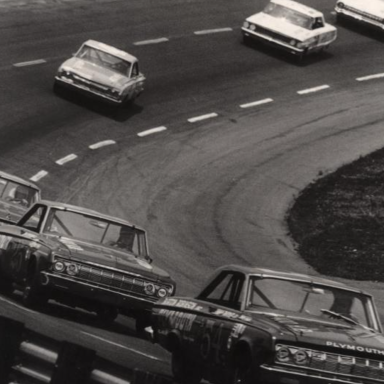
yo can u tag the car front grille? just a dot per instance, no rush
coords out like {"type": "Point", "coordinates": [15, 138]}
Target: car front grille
{"type": "Point", "coordinates": [363, 14]}
{"type": "Point", "coordinates": [271, 34]}
{"type": "Point", "coordinates": [117, 281]}
{"type": "Point", "coordinates": [332, 363]}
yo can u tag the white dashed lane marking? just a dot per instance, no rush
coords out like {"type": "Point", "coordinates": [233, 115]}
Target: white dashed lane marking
{"type": "Point", "coordinates": [256, 103]}
{"type": "Point", "coordinates": [202, 117]}
{"type": "Point", "coordinates": [371, 77]}
{"type": "Point", "coordinates": [122, 346]}
{"type": "Point", "coordinates": [27, 63]}
{"type": "Point", "coordinates": [312, 90]}
{"type": "Point", "coordinates": [151, 131]}
{"type": "Point", "coordinates": [208, 31]}
{"type": "Point", "coordinates": [66, 159]}
{"type": "Point", "coordinates": [102, 144]}
{"type": "Point", "coordinates": [153, 41]}
{"type": "Point", "coordinates": [39, 175]}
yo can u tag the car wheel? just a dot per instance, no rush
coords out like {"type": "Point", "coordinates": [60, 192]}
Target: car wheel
{"type": "Point", "coordinates": [243, 370]}
{"type": "Point", "coordinates": [6, 286]}
{"type": "Point", "coordinates": [184, 371]}
{"type": "Point", "coordinates": [142, 322]}
{"type": "Point", "coordinates": [107, 315]}
{"type": "Point", "coordinates": [33, 297]}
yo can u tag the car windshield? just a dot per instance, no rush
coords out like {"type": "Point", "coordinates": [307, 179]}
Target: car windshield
{"type": "Point", "coordinates": [17, 194]}
{"type": "Point", "coordinates": [341, 305]}
{"type": "Point", "coordinates": [290, 15]}
{"type": "Point", "coordinates": [95, 230]}
{"type": "Point", "coordinates": [104, 59]}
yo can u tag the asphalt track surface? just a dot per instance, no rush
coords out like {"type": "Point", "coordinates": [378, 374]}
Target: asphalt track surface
{"type": "Point", "coordinates": [239, 132]}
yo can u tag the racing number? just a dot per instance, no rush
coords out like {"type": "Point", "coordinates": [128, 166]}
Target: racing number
{"type": "Point", "coordinates": [212, 341]}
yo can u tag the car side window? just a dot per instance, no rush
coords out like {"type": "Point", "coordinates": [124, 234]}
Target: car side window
{"type": "Point", "coordinates": [135, 70]}
{"type": "Point", "coordinates": [318, 23]}
{"type": "Point", "coordinates": [225, 290]}
{"type": "Point", "coordinates": [33, 219]}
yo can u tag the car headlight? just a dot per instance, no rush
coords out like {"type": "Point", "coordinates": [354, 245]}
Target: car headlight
{"type": "Point", "coordinates": [340, 4]}
{"type": "Point", "coordinates": [149, 289]}
{"type": "Point", "coordinates": [292, 42]}
{"type": "Point", "coordinates": [162, 292]}
{"type": "Point", "coordinates": [72, 269]}
{"type": "Point", "coordinates": [283, 355]}
{"type": "Point", "coordinates": [58, 266]}
{"type": "Point", "coordinates": [292, 355]}
{"type": "Point", "coordinates": [246, 24]}
{"type": "Point", "coordinates": [252, 27]}
{"type": "Point", "coordinates": [300, 357]}
{"type": "Point", "coordinates": [301, 45]}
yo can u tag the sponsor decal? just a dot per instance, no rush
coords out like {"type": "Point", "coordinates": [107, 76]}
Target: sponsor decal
{"type": "Point", "coordinates": [178, 320]}
{"type": "Point", "coordinates": [180, 303]}
{"type": "Point", "coordinates": [224, 313]}
{"type": "Point", "coordinates": [170, 301]}
{"type": "Point", "coordinates": [357, 348]}
{"type": "Point", "coordinates": [237, 330]}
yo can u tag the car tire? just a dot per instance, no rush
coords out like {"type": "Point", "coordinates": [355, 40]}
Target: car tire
{"type": "Point", "coordinates": [6, 286]}
{"type": "Point", "coordinates": [243, 370]}
{"type": "Point", "coordinates": [142, 322]}
{"type": "Point", "coordinates": [33, 297]}
{"type": "Point", "coordinates": [184, 371]}
{"type": "Point", "coordinates": [107, 315]}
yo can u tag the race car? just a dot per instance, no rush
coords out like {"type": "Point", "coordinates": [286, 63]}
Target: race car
{"type": "Point", "coordinates": [84, 259]}
{"type": "Point", "coordinates": [252, 325]}
{"type": "Point", "coordinates": [102, 71]}
{"type": "Point", "coordinates": [370, 13]}
{"type": "Point", "coordinates": [290, 26]}
{"type": "Point", "coordinates": [16, 196]}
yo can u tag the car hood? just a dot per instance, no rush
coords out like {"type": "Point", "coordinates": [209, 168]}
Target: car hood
{"type": "Point", "coordinates": [11, 213]}
{"type": "Point", "coordinates": [374, 7]}
{"type": "Point", "coordinates": [315, 331]}
{"type": "Point", "coordinates": [94, 72]}
{"type": "Point", "coordinates": [280, 26]}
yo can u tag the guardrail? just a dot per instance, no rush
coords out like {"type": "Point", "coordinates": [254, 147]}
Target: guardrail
{"type": "Point", "coordinates": [27, 357]}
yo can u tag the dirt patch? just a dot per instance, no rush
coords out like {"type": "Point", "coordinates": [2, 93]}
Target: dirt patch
{"type": "Point", "coordinates": [338, 221]}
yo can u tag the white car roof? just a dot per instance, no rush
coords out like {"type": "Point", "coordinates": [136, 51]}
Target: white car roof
{"type": "Point", "coordinates": [298, 7]}
{"type": "Point", "coordinates": [112, 50]}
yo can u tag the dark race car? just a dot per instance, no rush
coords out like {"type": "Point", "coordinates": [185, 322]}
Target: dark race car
{"type": "Point", "coordinates": [252, 325]}
{"type": "Point", "coordinates": [81, 258]}
{"type": "Point", "coordinates": [16, 196]}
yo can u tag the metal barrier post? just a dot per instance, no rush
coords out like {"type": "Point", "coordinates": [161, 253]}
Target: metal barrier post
{"type": "Point", "coordinates": [11, 332]}
{"type": "Point", "coordinates": [74, 364]}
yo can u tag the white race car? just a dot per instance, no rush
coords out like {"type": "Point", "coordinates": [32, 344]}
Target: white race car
{"type": "Point", "coordinates": [102, 71]}
{"type": "Point", "coordinates": [291, 26]}
{"type": "Point", "coordinates": [368, 12]}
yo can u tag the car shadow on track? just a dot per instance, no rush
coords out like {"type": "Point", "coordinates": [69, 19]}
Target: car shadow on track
{"type": "Point", "coordinates": [287, 57]}
{"type": "Point", "coordinates": [118, 113]}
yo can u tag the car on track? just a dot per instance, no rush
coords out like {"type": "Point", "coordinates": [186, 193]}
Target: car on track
{"type": "Point", "coordinates": [252, 325]}
{"type": "Point", "coordinates": [16, 196]}
{"type": "Point", "coordinates": [290, 26]}
{"type": "Point", "coordinates": [370, 13]}
{"type": "Point", "coordinates": [84, 259]}
{"type": "Point", "coordinates": [102, 71]}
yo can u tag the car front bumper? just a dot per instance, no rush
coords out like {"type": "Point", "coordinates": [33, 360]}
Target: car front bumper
{"type": "Point", "coordinates": [82, 88]}
{"type": "Point", "coordinates": [350, 14]}
{"type": "Point", "coordinates": [97, 294]}
{"type": "Point", "coordinates": [279, 375]}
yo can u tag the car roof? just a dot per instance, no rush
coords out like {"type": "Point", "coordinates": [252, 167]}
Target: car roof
{"type": "Point", "coordinates": [19, 180]}
{"type": "Point", "coordinates": [112, 50]}
{"type": "Point", "coordinates": [87, 211]}
{"type": "Point", "coordinates": [299, 7]}
{"type": "Point", "coordinates": [255, 271]}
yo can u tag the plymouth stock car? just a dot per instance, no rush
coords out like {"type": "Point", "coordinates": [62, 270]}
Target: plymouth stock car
{"type": "Point", "coordinates": [290, 26]}
{"type": "Point", "coordinates": [252, 325]}
{"type": "Point", "coordinates": [83, 259]}
{"type": "Point", "coordinates": [102, 71]}
{"type": "Point", "coordinates": [16, 196]}
{"type": "Point", "coordinates": [370, 13]}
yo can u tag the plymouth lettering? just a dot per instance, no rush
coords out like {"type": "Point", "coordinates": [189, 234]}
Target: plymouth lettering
{"type": "Point", "coordinates": [355, 348]}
